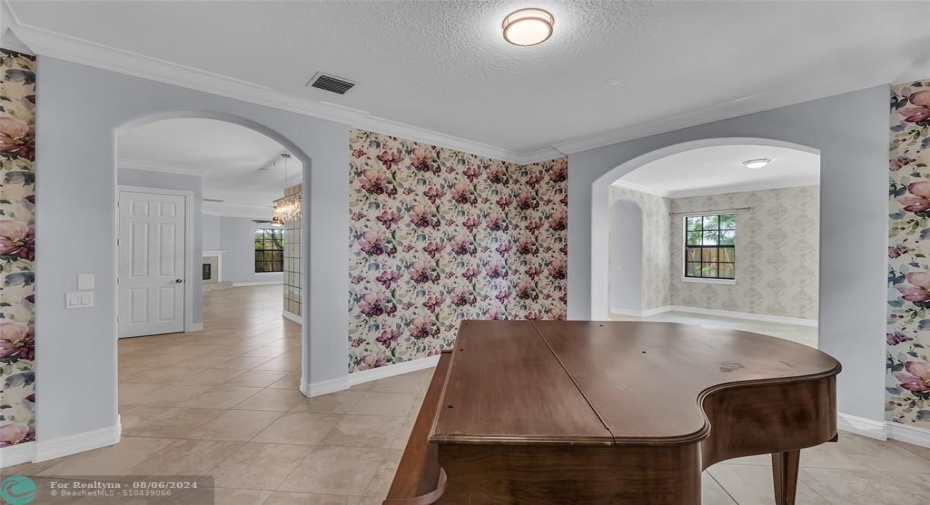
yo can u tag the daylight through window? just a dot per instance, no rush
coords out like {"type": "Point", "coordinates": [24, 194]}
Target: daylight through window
{"type": "Point", "coordinates": [710, 246]}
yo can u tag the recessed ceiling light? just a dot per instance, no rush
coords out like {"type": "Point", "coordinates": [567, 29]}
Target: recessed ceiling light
{"type": "Point", "coordinates": [758, 163]}
{"type": "Point", "coordinates": [528, 27]}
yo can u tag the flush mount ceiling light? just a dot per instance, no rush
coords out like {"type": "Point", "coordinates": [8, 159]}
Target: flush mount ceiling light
{"type": "Point", "coordinates": [528, 27]}
{"type": "Point", "coordinates": [758, 163]}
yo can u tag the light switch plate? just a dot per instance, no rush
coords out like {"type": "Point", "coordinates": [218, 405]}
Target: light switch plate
{"type": "Point", "coordinates": [79, 300]}
{"type": "Point", "coordinates": [85, 281]}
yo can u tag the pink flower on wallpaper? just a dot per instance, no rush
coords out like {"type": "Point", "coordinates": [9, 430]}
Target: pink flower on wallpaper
{"type": "Point", "coordinates": [494, 314]}
{"type": "Point", "coordinates": [433, 248]}
{"type": "Point", "coordinates": [559, 172]}
{"type": "Point", "coordinates": [374, 304]}
{"type": "Point", "coordinates": [526, 291]}
{"type": "Point", "coordinates": [357, 342]}
{"type": "Point", "coordinates": [504, 202]}
{"type": "Point", "coordinates": [558, 221]}
{"type": "Point", "coordinates": [496, 270]}
{"type": "Point", "coordinates": [920, 201]}
{"type": "Point", "coordinates": [472, 174]}
{"type": "Point", "coordinates": [357, 216]}
{"type": "Point", "coordinates": [422, 161]}
{"type": "Point", "coordinates": [388, 338]}
{"type": "Point", "coordinates": [503, 295]}
{"type": "Point", "coordinates": [533, 271]}
{"type": "Point", "coordinates": [557, 313]}
{"type": "Point", "coordinates": [409, 191]}
{"type": "Point", "coordinates": [433, 194]}
{"type": "Point", "coordinates": [12, 434]}
{"type": "Point", "coordinates": [17, 239]}
{"type": "Point", "coordinates": [564, 199]}
{"type": "Point", "coordinates": [899, 163]}
{"type": "Point", "coordinates": [357, 279]}
{"type": "Point", "coordinates": [534, 179]}
{"type": "Point", "coordinates": [527, 246]}
{"type": "Point", "coordinates": [921, 110]}
{"type": "Point", "coordinates": [420, 216]}
{"type": "Point", "coordinates": [531, 316]}
{"type": "Point", "coordinates": [375, 182]}
{"type": "Point", "coordinates": [463, 194]}
{"type": "Point", "coordinates": [526, 201]}
{"type": "Point", "coordinates": [433, 303]}
{"type": "Point", "coordinates": [421, 272]}
{"type": "Point", "coordinates": [375, 244]}
{"type": "Point", "coordinates": [533, 226]}
{"type": "Point", "coordinates": [471, 224]}
{"type": "Point", "coordinates": [388, 218]}
{"type": "Point", "coordinates": [897, 338]}
{"type": "Point", "coordinates": [461, 297]}
{"type": "Point", "coordinates": [494, 221]}
{"type": "Point", "coordinates": [17, 137]}
{"type": "Point", "coordinates": [898, 250]}
{"type": "Point", "coordinates": [916, 378]}
{"type": "Point", "coordinates": [919, 289]}
{"type": "Point", "coordinates": [496, 175]}
{"type": "Point", "coordinates": [388, 278]}
{"type": "Point", "coordinates": [557, 269]}
{"type": "Point", "coordinates": [463, 245]}
{"type": "Point", "coordinates": [371, 361]}
{"type": "Point", "coordinates": [17, 341]}
{"type": "Point", "coordinates": [420, 328]}
{"type": "Point", "coordinates": [358, 153]}
{"type": "Point", "coordinates": [504, 248]}
{"type": "Point", "coordinates": [389, 159]}
{"type": "Point", "coordinates": [470, 274]}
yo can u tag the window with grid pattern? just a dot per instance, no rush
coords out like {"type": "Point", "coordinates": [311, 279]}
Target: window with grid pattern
{"type": "Point", "coordinates": [269, 250]}
{"type": "Point", "coordinates": [710, 246]}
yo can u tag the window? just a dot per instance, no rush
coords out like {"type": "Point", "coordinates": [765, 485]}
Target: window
{"type": "Point", "coordinates": [269, 250]}
{"type": "Point", "coordinates": [710, 251]}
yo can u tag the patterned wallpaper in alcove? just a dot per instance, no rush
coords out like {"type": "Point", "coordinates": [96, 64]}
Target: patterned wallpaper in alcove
{"type": "Point", "coordinates": [17, 248]}
{"type": "Point", "coordinates": [438, 235]}
{"type": "Point", "coordinates": [908, 338]}
{"type": "Point", "coordinates": [656, 290]}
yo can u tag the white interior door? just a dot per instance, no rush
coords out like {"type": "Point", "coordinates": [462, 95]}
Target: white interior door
{"type": "Point", "coordinates": [152, 263]}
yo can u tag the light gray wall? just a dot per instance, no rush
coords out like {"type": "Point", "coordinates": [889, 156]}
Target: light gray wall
{"type": "Point", "coordinates": [78, 116]}
{"type": "Point", "coordinates": [237, 238]}
{"type": "Point", "coordinates": [211, 232]}
{"type": "Point", "coordinates": [161, 180]}
{"type": "Point", "coordinates": [626, 255]}
{"type": "Point", "coordinates": [851, 133]}
{"type": "Point", "coordinates": [655, 292]}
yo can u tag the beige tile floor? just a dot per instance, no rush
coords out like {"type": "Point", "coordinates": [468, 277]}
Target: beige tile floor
{"type": "Point", "coordinates": [224, 403]}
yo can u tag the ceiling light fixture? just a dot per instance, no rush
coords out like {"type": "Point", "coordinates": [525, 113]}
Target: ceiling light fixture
{"type": "Point", "coordinates": [528, 27]}
{"type": "Point", "coordinates": [758, 163]}
{"type": "Point", "coordinates": [287, 208]}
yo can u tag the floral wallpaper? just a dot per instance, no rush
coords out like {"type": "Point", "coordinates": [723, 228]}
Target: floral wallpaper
{"type": "Point", "coordinates": [908, 337]}
{"type": "Point", "coordinates": [17, 248]}
{"type": "Point", "coordinates": [656, 231]}
{"type": "Point", "coordinates": [437, 236]}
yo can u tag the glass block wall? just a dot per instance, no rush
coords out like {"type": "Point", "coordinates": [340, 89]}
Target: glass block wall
{"type": "Point", "coordinates": [292, 240]}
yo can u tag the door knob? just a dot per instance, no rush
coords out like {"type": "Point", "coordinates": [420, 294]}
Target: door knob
{"type": "Point", "coordinates": [178, 281]}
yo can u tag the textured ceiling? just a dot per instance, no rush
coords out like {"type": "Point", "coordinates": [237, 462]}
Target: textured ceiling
{"type": "Point", "coordinates": [719, 169]}
{"type": "Point", "coordinates": [444, 66]}
{"type": "Point", "coordinates": [229, 156]}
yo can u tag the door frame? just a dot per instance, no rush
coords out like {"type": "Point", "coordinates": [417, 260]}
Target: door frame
{"type": "Point", "coordinates": [188, 248]}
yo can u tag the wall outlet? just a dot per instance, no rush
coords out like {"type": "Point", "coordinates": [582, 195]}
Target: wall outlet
{"type": "Point", "coordinates": [85, 281]}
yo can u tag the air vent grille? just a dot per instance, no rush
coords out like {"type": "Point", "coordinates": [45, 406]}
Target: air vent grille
{"type": "Point", "coordinates": [331, 83]}
{"type": "Point", "coordinates": [213, 200]}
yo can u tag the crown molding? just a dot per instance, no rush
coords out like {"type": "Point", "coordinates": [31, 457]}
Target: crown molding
{"type": "Point", "coordinates": [721, 190]}
{"type": "Point", "coordinates": [159, 166]}
{"type": "Point", "coordinates": [237, 210]}
{"type": "Point", "coordinates": [640, 188]}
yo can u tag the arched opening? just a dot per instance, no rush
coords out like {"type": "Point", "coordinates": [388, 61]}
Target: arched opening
{"type": "Point", "coordinates": [725, 244]}
{"type": "Point", "coordinates": [626, 257]}
{"type": "Point", "coordinates": [244, 267]}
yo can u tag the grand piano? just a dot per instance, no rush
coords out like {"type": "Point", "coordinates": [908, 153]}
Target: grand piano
{"type": "Point", "coordinates": [583, 412]}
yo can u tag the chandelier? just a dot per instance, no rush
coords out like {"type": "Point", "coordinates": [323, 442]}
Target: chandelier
{"type": "Point", "coordinates": [287, 208]}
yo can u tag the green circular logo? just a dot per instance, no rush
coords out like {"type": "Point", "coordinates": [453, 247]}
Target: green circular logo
{"type": "Point", "coordinates": [17, 490]}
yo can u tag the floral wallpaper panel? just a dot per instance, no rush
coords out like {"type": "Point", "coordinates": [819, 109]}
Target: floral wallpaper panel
{"type": "Point", "coordinates": [438, 236]}
{"type": "Point", "coordinates": [908, 337]}
{"type": "Point", "coordinates": [17, 251]}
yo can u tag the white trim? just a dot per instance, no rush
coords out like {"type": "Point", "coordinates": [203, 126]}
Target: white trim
{"type": "Point", "coordinates": [640, 313]}
{"type": "Point", "coordinates": [812, 323]}
{"type": "Point", "coordinates": [219, 263]}
{"type": "Point", "coordinates": [194, 327]}
{"type": "Point", "coordinates": [188, 246]}
{"type": "Point", "coordinates": [159, 166]}
{"type": "Point", "coordinates": [862, 426]}
{"type": "Point", "coordinates": [908, 434]}
{"type": "Point", "coordinates": [262, 283]}
{"type": "Point", "coordinates": [324, 387]}
{"type": "Point", "coordinates": [702, 280]}
{"type": "Point", "coordinates": [384, 372]}
{"type": "Point", "coordinates": [17, 454]}
{"type": "Point", "coordinates": [769, 185]}
{"type": "Point", "coordinates": [293, 317]}
{"type": "Point", "coordinates": [73, 444]}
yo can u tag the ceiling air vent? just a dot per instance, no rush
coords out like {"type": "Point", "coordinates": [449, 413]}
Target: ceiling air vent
{"type": "Point", "coordinates": [332, 83]}
{"type": "Point", "coordinates": [213, 200]}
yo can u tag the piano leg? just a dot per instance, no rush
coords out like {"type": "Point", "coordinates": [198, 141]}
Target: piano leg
{"type": "Point", "coordinates": [785, 471]}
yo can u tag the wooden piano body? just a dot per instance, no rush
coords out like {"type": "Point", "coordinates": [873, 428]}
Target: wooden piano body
{"type": "Point", "coordinates": [577, 412]}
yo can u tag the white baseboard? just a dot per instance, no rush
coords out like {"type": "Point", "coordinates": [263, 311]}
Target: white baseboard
{"type": "Point", "coordinates": [745, 315]}
{"type": "Point", "coordinates": [324, 387]}
{"type": "Point", "coordinates": [293, 317]}
{"type": "Point", "coordinates": [65, 446]}
{"type": "Point", "coordinates": [392, 370]}
{"type": "Point", "coordinates": [862, 426]}
{"type": "Point", "coordinates": [17, 454]}
{"type": "Point", "coordinates": [261, 283]}
{"type": "Point", "coordinates": [640, 313]}
{"type": "Point", "coordinates": [192, 327]}
{"type": "Point", "coordinates": [908, 434]}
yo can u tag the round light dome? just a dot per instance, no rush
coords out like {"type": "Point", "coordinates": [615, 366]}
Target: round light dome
{"type": "Point", "coordinates": [759, 163]}
{"type": "Point", "coordinates": [528, 27]}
